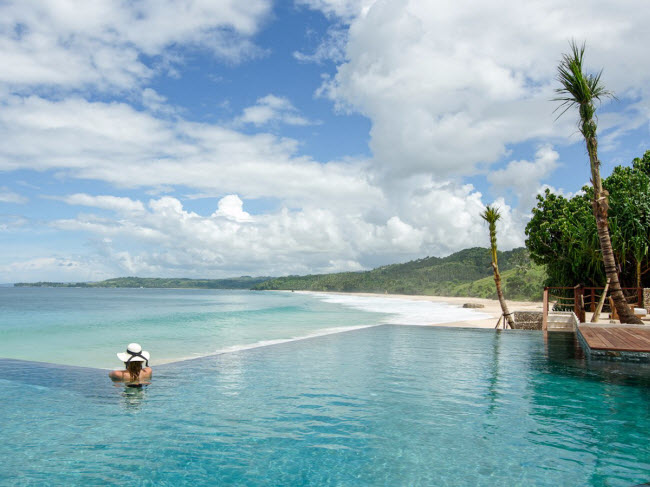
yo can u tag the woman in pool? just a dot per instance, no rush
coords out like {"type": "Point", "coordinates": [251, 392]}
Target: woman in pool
{"type": "Point", "coordinates": [133, 360]}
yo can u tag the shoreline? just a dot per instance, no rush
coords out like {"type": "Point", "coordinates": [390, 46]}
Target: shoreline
{"type": "Point", "coordinates": [486, 318]}
{"type": "Point", "coordinates": [490, 306]}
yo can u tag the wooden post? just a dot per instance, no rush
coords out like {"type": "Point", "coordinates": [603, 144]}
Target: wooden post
{"type": "Point", "coordinates": [599, 308]}
{"type": "Point", "coordinates": [639, 292]}
{"type": "Point", "coordinates": [613, 314]}
{"type": "Point", "coordinates": [499, 322]}
{"type": "Point", "coordinates": [578, 298]}
{"type": "Point", "coordinates": [593, 299]}
{"type": "Point", "coordinates": [545, 310]}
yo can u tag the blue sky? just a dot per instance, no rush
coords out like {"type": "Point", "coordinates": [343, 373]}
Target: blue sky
{"type": "Point", "coordinates": [225, 138]}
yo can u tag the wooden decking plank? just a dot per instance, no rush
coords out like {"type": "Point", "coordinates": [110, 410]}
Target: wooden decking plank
{"type": "Point", "coordinates": [617, 338]}
{"type": "Point", "coordinates": [644, 335]}
{"type": "Point", "coordinates": [637, 336]}
{"type": "Point", "coordinates": [619, 341]}
{"type": "Point", "coordinates": [592, 338]}
{"type": "Point", "coordinates": [607, 339]}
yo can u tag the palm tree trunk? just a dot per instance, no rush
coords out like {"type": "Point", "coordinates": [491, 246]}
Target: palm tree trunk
{"type": "Point", "coordinates": [502, 299]}
{"type": "Point", "coordinates": [600, 206]}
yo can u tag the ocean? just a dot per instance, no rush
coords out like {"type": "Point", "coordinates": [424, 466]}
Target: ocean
{"type": "Point", "coordinates": [87, 326]}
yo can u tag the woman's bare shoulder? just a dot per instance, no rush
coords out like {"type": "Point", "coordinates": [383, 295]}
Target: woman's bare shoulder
{"type": "Point", "coordinates": [117, 374]}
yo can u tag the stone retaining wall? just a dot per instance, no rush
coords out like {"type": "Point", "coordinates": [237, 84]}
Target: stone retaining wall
{"type": "Point", "coordinates": [528, 320]}
{"type": "Point", "coordinates": [646, 299]}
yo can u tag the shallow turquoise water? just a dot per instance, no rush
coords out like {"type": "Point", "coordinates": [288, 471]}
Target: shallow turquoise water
{"type": "Point", "coordinates": [389, 405]}
{"type": "Point", "coordinates": [86, 327]}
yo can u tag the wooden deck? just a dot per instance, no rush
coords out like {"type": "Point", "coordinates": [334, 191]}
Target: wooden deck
{"type": "Point", "coordinates": [616, 338]}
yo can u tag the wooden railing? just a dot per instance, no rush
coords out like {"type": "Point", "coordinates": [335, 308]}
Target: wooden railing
{"type": "Point", "coordinates": [580, 299]}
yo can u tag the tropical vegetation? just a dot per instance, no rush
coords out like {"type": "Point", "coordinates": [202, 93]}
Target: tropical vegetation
{"type": "Point", "coordinates": [562, 233]}
{"type": "Point", "coordinates": [464, 273]}
{"type": "Point", "coordinates": [582, 91]}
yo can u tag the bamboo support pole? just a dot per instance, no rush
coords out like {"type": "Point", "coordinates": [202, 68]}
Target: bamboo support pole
{"type": "Point", "coordinates": [601, 302]}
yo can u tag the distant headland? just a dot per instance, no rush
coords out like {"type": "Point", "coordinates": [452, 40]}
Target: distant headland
{"type": "Point", "coordinates": [464, 273]}
{"type": "Point", "coordinates": [243, 282]}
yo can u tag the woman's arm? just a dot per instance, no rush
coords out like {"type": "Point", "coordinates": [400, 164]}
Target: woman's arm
{"type": "Point", "coordinates": [116, 374]}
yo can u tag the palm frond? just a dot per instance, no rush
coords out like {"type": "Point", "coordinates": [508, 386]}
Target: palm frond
{"type": "Point", "coordinates": [576, 87]}
{"type": "Point", "coordinates": [491, 214]}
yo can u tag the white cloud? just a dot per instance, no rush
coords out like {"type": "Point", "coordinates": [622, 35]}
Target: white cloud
{"type": "Point", "coordinates": [271, 108]}
{"type": "Point", "coordinates": [12, 223]}
{"type": "Point", "coordinates": [114, 143]}
{"type": "Point", "coordinates": [155, 102]}
{"type": "Point", "coordinates": [73, 43]}
{"type": "Point", "coordinates": [346, 9]}
{"type": "Point", "coordinates": [119, 204]}
{"type": "Point", "coordinates": [232, 207]}
{"type": "Point", "coordinates": [56, 268]}
{"type": "Point", "coordinates": [8, 196]}
{"type": "Point", "coordinates": [422, 219]}
{"type": "Point", "coordinates": [448, 86]}
{"type": "Point", "coordinates": [331, 47]}
{"type": "Point", "coordinates": [560, 191]}
{"type": "Point", "coordinates": [524, 178]}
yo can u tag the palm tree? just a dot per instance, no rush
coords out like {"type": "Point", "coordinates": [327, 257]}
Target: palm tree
{"type": "Point", "coordinates": [491, 215]}
{"type": "Point", "coordinates": [581, 90]}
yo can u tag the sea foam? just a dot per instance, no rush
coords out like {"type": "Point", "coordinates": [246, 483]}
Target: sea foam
{"type": "Point", "coordinates": [395, 311]}
{"type": "Point", "coordinates": [400, 311]}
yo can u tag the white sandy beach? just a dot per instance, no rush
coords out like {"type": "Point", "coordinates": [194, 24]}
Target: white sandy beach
{"type": "Point", "coordinates": [490, 307]}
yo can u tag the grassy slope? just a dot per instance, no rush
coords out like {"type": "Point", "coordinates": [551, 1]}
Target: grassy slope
{"type": "Point", "coordinates": [465, 273]}
{"type": "Point", "coordinates": [517, 286]}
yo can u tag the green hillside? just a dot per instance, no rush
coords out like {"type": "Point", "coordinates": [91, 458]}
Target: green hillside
{"type": "Point", "coordinates": [465, 273]}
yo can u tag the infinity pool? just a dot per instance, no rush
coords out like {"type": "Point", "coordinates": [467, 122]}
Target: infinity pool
{"type": "Point", "coordinates": [388, 405]}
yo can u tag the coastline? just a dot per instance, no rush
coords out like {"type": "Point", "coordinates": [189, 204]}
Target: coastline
{"type": "Point", "coordinates": [490, 306]}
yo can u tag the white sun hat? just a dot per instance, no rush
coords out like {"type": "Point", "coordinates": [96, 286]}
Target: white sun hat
{"type": "Point", "coordinates": [134, 353]}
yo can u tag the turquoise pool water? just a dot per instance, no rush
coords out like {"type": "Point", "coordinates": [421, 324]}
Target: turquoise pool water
{"type": "Point", "coordinates": [387, 405]}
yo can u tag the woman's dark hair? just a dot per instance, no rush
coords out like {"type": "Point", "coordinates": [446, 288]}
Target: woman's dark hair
{"type": "Point", "coordinates": [134, 368]}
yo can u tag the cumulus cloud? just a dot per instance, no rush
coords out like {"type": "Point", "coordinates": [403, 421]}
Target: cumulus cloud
{"type": "Point", "coordinates": [429, 219]}
{"type": "Point", "coordinates": [524, 178]}
{"type": "Point", "coordinates": [232, 207]}
{"type": "Point", "coordinates": [448, 89]}
{"type": "Point", "coordinates": [449, 86]}
{"type": "Point", "coordinates": [271, 108]}
{"type": "Point", "coordinates": [73, 44]}
{"type": "Point", "coordinates": [115, 143]}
